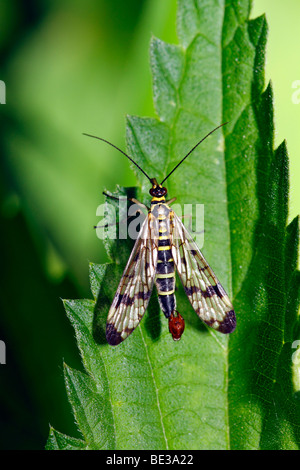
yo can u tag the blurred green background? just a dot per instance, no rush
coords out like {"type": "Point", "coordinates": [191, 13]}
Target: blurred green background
{"type": "Point", "coordinates": [72, 67]}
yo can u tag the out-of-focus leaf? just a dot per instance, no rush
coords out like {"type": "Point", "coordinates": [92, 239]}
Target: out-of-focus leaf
{"type": "Point", "coordinates": [66, 76]}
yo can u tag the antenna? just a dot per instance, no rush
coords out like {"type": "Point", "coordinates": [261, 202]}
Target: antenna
{"type": "Point", "coordinates": [100, 138]}
{"type": "Point", "coordinates": [192, 150]}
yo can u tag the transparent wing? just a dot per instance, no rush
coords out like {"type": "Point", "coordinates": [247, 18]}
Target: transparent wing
{"type": "Point", "coordinates": [206, 294]}
{"type": "Point", "coordinates": [134, 290]}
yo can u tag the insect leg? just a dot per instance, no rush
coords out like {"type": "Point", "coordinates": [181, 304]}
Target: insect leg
{"type": "Point", "coordinates": [138, 211]}
{"type": "Point", "coordinates": [110, 196]}
{"type": "Point", "coordinates": [171, 201]}
{"type": "Point", "coordinates": [125, 219]}
{"type": "Point", "coordinates": [135, 201]}
{"type": "Point", "coordinates": [131, 199]}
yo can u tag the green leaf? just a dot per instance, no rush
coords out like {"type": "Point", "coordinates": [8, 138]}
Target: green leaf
{"type": "Point", "coordinates": [58, 441]}
{"type": "Point", "coordinates": [208, 391]}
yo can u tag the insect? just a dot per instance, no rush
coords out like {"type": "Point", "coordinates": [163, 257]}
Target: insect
{"type": "Point", "coordinates": [163, 245]}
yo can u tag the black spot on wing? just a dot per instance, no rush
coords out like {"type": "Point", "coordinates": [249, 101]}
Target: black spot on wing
{"type": "Point", "coordinates": [219, 290]}
{"type": "Point", "coordinates": [125, 299]}
{"type": "Point", "coordinates": [191, 290]}
{"type": "Point", "coordinates": [208, 292]}
{"type": "Point", "coordinates": [113, 337]}
{"type": "Point", "coordinates": [228, 324]}
{"type": "Point", "coordinates": [143, 295]}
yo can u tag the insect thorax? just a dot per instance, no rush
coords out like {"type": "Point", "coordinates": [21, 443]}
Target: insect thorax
{"type": "Point", "coordinates": [160, 215]}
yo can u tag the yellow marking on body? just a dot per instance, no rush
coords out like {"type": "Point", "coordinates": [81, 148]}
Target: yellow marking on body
{"type": "Point", "coordinates": [158, 198]}
{"type": "Point", "coordinates": [162, 217]}
{"type": "Point", "coordinates": [166, 293]}
{"type": "Point", "coordinates": [161, 261]}
{"type": "Point", "coordinates": [164, 248]}
{"type": "Point", "coordinates": [163, 237]}
{"type": "Point", "coordinates": [163, 276]}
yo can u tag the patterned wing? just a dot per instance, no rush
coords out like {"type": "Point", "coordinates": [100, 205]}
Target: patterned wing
{"type": "Point", "coordinates": [134, 290]}
{"type": "Point", "coordinates": [207, 296]}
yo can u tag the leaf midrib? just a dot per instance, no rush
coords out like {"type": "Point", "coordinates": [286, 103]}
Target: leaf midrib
{"type": "Point", "coordinates": [155, 387]}
{"type": "Point", "coordinates": [170, 125]}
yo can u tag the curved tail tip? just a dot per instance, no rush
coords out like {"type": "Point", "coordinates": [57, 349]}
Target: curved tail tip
{"type": "Point", "coordinates": [176, 326]}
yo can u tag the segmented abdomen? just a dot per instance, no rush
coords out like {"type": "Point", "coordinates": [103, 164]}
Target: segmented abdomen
{"type": "Point", "coordinates": [165, 272]}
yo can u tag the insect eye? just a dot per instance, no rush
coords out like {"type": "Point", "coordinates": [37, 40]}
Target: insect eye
{"type": "Point", "coordinates": [158, 191]}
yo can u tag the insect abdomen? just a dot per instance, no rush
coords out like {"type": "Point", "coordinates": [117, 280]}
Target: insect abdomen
{"type": "Point", "coordinates": [165, 276]}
